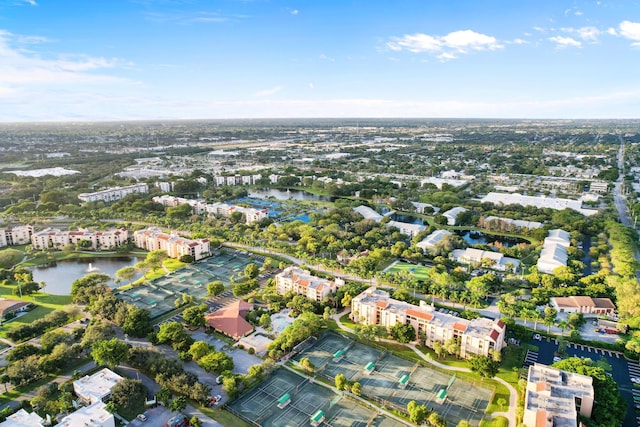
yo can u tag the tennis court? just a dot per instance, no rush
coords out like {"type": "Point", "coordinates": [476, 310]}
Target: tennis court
{"type": "Point", "coordinates": [420, 272]}
{"type": "Point", "coordinates": [286, 399]}
{"type": "Point", "coordinates": [159, 295]}
{"type": "Point", "coordinates": [394, 382]}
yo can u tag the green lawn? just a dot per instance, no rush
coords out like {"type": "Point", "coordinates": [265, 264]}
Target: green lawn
{"type": "Point", "coordinates": [225, 418]}
{"type": "Point", "coordinates": [46, 303]}
{"type": "Point", "coordinates": [419, 272]}
{"type": "Point", "coordinates": [496, 422]}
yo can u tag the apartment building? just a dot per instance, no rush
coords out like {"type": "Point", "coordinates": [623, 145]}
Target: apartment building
{"type": "Point", "coordinates": [153, 238]}
{"type": "Point", "coordinates": [477, 336]}
{"type": "Point", "coordinates": [95, 415]}
{"type": "Point", "coordinates": [555, 398]}
{"type": "Point", "coordinates": [50, 238]}
{"type": "Point", "coordinates": [200, 207]}
{"type": "Point", "coordinates": [493, 260]}
{"type": "Point", "coordinates": [97, 387]}
{"type": "Point", "coordinates": [302, 282]}
{"type": "Point", "coordinates": [19, 235]}
{"type": "Point", "coordinates": [113, 194]}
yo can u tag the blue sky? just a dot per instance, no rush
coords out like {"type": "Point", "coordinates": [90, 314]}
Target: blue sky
{"type": "Point", "coordinates": [183, 59]}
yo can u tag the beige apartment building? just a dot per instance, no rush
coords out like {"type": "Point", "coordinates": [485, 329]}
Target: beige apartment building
{"type": "Point", "coordinates": [19, 235]}
{"type": "Point", "coordinates": [303, 283]}
{"type": "Point", "coordinates": [554, 397]}
{"type": "Point", "coordinates": [50, 238]}
{"type": "Point", "coordinates": [153, 238]}
{"type": "Point", "coordinates": [476, 337]}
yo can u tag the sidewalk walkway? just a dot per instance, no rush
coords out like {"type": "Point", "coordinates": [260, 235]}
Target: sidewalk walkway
{"type": "Point", "coordinates": [513, 394]}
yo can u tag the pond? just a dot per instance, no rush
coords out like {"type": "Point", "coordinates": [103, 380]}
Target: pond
{"type": "Point", "coordinates": [59, 277]}
{"type": "Point", "coordinates": [288, 195]}
{"type": "Point", "coordinates": [479, 238]}
{"type": "Point", "coordinates": [408, 219]}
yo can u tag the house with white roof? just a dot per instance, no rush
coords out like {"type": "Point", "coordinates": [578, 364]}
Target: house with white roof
{"type": "Point", "coordinates": [368, 213]}
{"type": "Point", "coordinates": [22, 418]}
{"type": "Point", "coordinates": [472, 255]}
{"type": "Point", "coordinates": [407, 228]}
{"type": "Point", "coordinates": [554, 251]}
{"type": "Point", "coordinates": [452, 214]}
{"type": "Point", "coordinates": [432, 239]}
{"type": "Point", "coordinates": [97, 387]}
{"type": "Point", "coordinates": [94, 415]}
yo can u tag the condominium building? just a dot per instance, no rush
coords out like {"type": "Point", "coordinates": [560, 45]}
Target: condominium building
{"type": "Point", "coordinates": [19, 235]}
{"type": "Point", "coordinates": [22, 418]}
{"type": "Point", "coordinates": [537, 201]}
{"type": "Point", "coordinates": [433, 239]}
{"type": "Point", "coordinates": [555, 398]}
{"type": "Point", "coordinates": [303, 283]}
{"type": "Point", "coordinates": [452, 214]}
{"type": "Point", "coordinates": [113, 194]}
{"type": "Point", "coordinates": [153, 238]}
{"type": "Point", "coordinates": [50, 238]}
{"type": "Point", "coordinates": [490, 259]}
{"type": "Point", "coordinates": [200, 207]}
{"type": "Point", "coordinates": [477, 336]}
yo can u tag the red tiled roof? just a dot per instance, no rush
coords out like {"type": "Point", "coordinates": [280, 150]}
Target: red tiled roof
{"type": "Point", "coordinates": [494, 335]}
{"type": "Point", "coordinates": [304, 282]}
{"type": "Point", "coordinates": [419, 314]}
{"type": "Point", "coordinates": [460, 326]}
{"type": "Point", "coordinates": [230, 320]}
{"type": "Point", "coordinates": [382, 304]}
{"type": "Point", "coordinates": [500, 324]}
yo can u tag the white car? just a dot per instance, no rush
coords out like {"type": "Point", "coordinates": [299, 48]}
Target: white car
{"type": "Point", "coordinates": [556, 359]}
{"type": "Point", "coordinates": [537, 337]}
{"type": "Point", "coordinates": [635, 380]}
{"type": "Point", "coordinates": [141, 417]}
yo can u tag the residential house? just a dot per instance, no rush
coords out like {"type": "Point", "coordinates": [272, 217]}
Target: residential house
{"type": "Point", "coordinates": [96, 387]}
{"type": "Point", "coordinates": [488, 259]}
{"type": "Point", "coordinates": [95, 415]}
{"type": "Point", "coordinates": [432, 239]}
{"type": "Point", "coordinates": [452, 214]}
{"type": "Point", "coordinates": [10, 307]}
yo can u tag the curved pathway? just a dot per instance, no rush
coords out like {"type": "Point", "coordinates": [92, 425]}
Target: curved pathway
{"type": "Point", "coordinates": [513, 394]}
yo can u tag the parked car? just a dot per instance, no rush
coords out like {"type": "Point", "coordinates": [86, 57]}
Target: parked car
{"type": "Point", "coordinates": [537, 337]}
{"type": "Point", "coordinates": [141, 417]}
{"type": "Point", "coordinates": [556, 359]}
{"type": "Point", "coordinates": [219, 379]}
{"type": "Point", "coordinates": [635, 380]}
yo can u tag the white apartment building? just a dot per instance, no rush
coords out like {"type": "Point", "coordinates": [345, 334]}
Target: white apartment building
{"type": "Point", "coordinates": [153, 238]}
{"type": "Point", "coordinates": [50, 238]}
{"type": "Point", "coordinates": [303, 283]}
{"type": "Point", "coordinates": [200, 207]}
{"type": "Point", "coordinates": [477, 336]}
{"type": "Point", "coordinates": [19, 235]}
{"type": "Point", "coordinates": [496, 223]}
{"type": "Point", "coordinates": [113, 194]}
{"type": "Point", "coordinates": [407, 228]}
{"type": "Point", "coordinates": [96, 387]}
{"type": "Point", "coordinates": [555, 398]}
{"type": "Point", "coordinates": [554, 251]}
{"type": "Point", "coordinates": [94, 415]}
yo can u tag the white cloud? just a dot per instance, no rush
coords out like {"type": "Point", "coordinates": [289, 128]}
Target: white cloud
{"type": "Point", "coordinates": [311, 85]}
{"type": "Point", "coordinates": [445, 47]}
{"type": "Point", "coordinates": [295, 12]}
{"type": "Point", "coordinates": [585, 33]}
{"type": "Point", "coordinates": [564, 42]}
{"type": "Point", "coordinates": [268, 92]}
{"type": "Point", "coordinates": [326, 58]}
{"type": "Point", "coordinates": [630, 30]}
{"type": "Point", "coordinates": [518, 41]}
{"type": "Point", "coordinates": [31, 2]}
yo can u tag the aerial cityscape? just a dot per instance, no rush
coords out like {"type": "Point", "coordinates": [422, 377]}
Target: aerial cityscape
{"type": "Point", "coordinates": [286, 214]}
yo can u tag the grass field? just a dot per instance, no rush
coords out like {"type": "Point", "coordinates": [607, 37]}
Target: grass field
{"type": "Point", "coordinates": [46, 303]}
{"type": "Point", "coordinates": [418, 271]}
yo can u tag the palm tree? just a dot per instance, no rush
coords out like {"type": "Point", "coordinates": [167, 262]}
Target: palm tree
{"type": "Point", "coordinates": [563, 325]}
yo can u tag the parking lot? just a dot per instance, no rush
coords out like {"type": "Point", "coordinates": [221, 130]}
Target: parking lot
{"type": "Point", "coordinates": [241, 359]}
{"type": "Point", "coordinates": [156, 417]}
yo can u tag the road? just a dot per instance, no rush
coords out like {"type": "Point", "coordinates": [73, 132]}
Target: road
{"type": "Point", "coordinates": [619, 199]}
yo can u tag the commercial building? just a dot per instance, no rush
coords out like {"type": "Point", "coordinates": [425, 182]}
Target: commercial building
{"type": "Point", "coordinates": [50, 238]}
{"type": "Point", "coordinates": [97, 387]}
{"type": "Point", "coordinates": [477, 336]}
{"type": "Point", "coordinates": [230, 320]}
{"type": "Point", "coordinates": [537, 201]}
{"type": "Point", "coordinates": [554, 251]}
{"type": "Point", "coordinates": [153, 238]}
{"type": "Point", "coordinates": [114, 194]}
{"type": "Point", "coordinates": [555, 398]}
{"type": "Point", "coordinates": [19, 235]}
{"type": "Point", "coordinates": [301, 282]}
{"type": "Point", "coordinates": [583, 304]}
{"type": "Point", "coordinates": [490, 259]}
